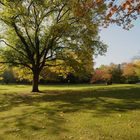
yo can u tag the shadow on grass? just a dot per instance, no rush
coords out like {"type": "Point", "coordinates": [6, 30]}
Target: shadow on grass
{"type": "Point", "coordinates": [107, 100]}
{"type": "Point", "coordinates": [100, 102]}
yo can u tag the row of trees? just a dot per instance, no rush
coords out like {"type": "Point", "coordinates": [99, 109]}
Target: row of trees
{"type": "Point", "coordinates": [122, 73]}
{"type": "Point", "coordinates": [113, 73]}
{"type": "Point", "coordinates": [81, 72]}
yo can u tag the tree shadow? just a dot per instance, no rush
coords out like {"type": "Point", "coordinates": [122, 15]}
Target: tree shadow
{"type": "Point", "coordinates": [27, 121]}
{"type": "Point", "coordinates": [56, 103]}
{"type": "Point", "coordinates": [128, 99]}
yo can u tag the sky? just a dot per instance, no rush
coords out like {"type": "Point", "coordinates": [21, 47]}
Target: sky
{"type": "Point", "coordinates": [123, 45]}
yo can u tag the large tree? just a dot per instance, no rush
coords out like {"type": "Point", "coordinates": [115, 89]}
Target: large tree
{"type": "Point", "coordinates": [37, 33]}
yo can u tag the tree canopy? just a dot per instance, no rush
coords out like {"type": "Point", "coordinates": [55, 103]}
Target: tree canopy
{"type": "Point", "coordinates": [41, 33]}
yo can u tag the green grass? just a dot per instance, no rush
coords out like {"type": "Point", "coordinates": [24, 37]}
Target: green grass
{"type": "Point", "coordinates": [70, 112]}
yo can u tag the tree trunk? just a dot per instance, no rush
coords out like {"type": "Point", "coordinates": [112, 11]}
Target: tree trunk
{"type": "Point", "coordinates": [35, 82]}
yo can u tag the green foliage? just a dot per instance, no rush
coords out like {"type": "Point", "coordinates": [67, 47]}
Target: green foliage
{"type": "Point", "coordinates": [137, 67]}
{"type": "Point", "coordinates": [117, 74]}
{"type": "Point", "coordinates": [39, 33]}
{"type": "Point", "coordinates": [8, 76]}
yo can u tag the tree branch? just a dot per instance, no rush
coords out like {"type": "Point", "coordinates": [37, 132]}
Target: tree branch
{"type": "Point", "coordinates": [13, 48]}
{"type": "Point", "coordinates": [17, 63]}
{"type": "Point", "coordinates": [49, 65]}
{"type": "Point", "coordinates": [30, 55]}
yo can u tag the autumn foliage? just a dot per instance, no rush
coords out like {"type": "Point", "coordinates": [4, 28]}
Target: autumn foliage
{"type": "Point", "coordinates": [122, 13]}
{"type": "Point", "coordinates": [122, 73]}
{"type": "Point", "coordinates": [101, 75]}
{"type": "Point", "coordinates": [39, 33]}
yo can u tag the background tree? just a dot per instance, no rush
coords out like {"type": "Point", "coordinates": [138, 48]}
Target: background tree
{"type": "Point", "coordinates": [137, 67]}
{"type": "Point", "coordinates": [22, 74]}
{"type": "Point", "coordinates": [117, 73]}
{"type": "Point", "coordinates": [79, 66]}
{"type": "Point", "coordinates": [2, 69]}
{"type": "Point", "coordinates": [102, 75]}
{"type": "Point", "coordinates": [8, 76]}
{"type": "Point", "coordinates": [113, 73]}
{"type": "Point", "coordinates": [129, 72]}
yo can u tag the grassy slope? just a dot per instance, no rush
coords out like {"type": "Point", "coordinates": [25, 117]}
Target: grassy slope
{"type": "Point", "coordinates": [81, 112]}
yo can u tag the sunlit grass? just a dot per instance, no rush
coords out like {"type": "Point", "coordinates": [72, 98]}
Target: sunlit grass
{"type": "Point", "coordinates": [64, 112]}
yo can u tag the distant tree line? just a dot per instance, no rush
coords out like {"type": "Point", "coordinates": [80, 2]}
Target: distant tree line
{"type": "Point", "coordinates": [113, 73]}
{"type": "Point", "coordinates": [49, 75]}
{"type": "Point", "coordinates": [122, 73]}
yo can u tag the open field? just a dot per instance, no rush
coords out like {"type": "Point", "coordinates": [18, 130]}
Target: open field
{"type": "Point", "coordinates": [74, 112]}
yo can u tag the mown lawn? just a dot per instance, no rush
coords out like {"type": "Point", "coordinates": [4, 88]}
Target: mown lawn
{"type": "Point", "coordinates": [74, 112]}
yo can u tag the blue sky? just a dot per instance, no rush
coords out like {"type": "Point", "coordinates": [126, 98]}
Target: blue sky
{"type": "Point", "coordinates": [123, 45]}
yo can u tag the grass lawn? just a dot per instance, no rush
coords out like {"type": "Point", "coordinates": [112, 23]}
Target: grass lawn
{"type": "Point", "coordinates": [74, 112]}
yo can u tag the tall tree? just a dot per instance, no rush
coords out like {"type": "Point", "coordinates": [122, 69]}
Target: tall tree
{"type": "Point", "coordinates": [37, 33]}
